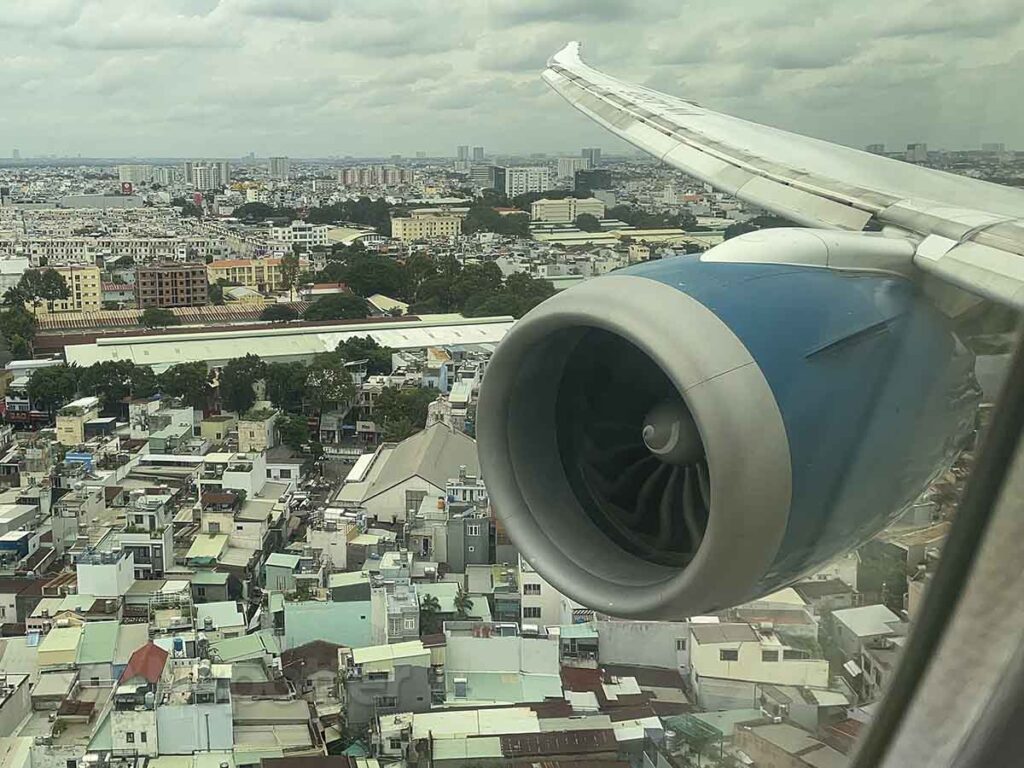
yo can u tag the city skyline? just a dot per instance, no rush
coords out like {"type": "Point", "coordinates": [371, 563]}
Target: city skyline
{"type": "Point", "coordinates": [309, 78]}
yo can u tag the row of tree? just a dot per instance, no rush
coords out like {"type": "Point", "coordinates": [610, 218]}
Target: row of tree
{"type": "Point", "coordinates": [436, 284]}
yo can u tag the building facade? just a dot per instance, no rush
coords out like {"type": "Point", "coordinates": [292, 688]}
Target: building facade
{"type": "Point", "coordinates": [425, 226]}
{"type": "Point", "coordinates": [519, 181]}
{"type": "Point", "coordinates": [85, 291]}
{"type": "Point", "coordinates": [171, 284]}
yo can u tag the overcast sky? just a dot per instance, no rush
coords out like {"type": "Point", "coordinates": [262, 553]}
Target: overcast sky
{"type": "Point", "coordinates": [318, 78]}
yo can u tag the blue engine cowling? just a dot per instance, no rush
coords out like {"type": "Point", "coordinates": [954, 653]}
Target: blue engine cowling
{"type": "Point", "coordinates": [803, 409]}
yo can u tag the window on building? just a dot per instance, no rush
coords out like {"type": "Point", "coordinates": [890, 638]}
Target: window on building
{"type": "Point", "coordinates": [410, 623]}
{"type": "Point", "coordinates": [385, 702]}
{"type": "Point", "coordinates": [394, 744]}
{"type": "Point", "coordinates": [530, 612]}
{"type": "Point", "coordinates": [473, 529]}
{"type": "Point", "coordinates": [377, 676]}
{"type": "Point", "coordinates": [460, 687]}
{"type": "Point", "coordinates": [269, 473]}
{"type": "Point", "coordinates": [201, 591]}
{"type": "Point", "coordinates": [680, 643]}
{"type": "Point", "coordinates": [142, 736]}
{"type": "Point", "coordinates": [286, 474]}
{"type": "Point", "coordinates": [728, 654]}
{"type": "Point", "coordinates": [791, 654]}
{"type": "Point", "coordinates": [769, 655]}
{"type": "Point", "coordinates": [130, 737]}
{"type": "Point", "coordinates": [531, 589]}
{"type": "Point", "coordinates": [214, 526]}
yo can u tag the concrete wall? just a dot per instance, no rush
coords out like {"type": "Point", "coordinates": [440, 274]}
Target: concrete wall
{"type": "Point", "coordinates": [107, 579]}
{"type": "Point", "coordinates": [16, 707]}
{"type": "Point", "coordinates": [549, 600]}
{"type": "Point", "coordinates": [136, 723]}
{"type": "Point", "coordinates": [643, 643]}
{"type": "Point", "coordinates": [390, 505]}
{"type": "Point", "coordinates": [333, 544]}
{"type": "Point", "coordinates": [409, 685]}
{"type": "Point", "coordinates": [706, 661]}
{"type": "Point", "coordinates": [183, 728]}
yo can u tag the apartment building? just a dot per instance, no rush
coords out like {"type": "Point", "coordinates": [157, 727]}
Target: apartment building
{"type": "Point", "coordinates": [527, 179]}
{"type": "Point", "coordinates": [264, 275]}
{"type": "Point", "coordinates": [423, 226]}
{"type": "Point", "coordinates": [171, 284]}
{"type": "Point", "coordinates": [85, 291]}
{"type": "Point", "coordinates": [566, 209]}
{"type": "Point", "coordinates": [300, 233]}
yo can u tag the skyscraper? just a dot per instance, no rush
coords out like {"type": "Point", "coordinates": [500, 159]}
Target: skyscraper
{"type": "Point", "coordinates": [529, 179]}
{"type": "Point", "coordinates": [478, 154]}
{"type": "Point", "coordinates": [187, 171]}
{"type": "Point", "coordinates": [462, 153]}
{"type": "Point", "coordinates": [592, 155]}
{"type": "Point", "coordinates": [917, 153]}
{"type": "Point", "coordinates": [225, 171]}
{"type": "Point", "coordinates": [567, 166]}
{"type": "Point", "coordinates": [279, 168]}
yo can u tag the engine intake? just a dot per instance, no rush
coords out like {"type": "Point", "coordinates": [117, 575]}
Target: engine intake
{"type": "Point", "coordinates": [681, 436]}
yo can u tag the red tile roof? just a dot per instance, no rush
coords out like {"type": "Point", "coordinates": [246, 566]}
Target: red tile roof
{"type": "Point", "coordinates": [147, 662]}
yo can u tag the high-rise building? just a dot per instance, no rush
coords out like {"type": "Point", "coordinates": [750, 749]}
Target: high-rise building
{"type": "Point", "coordinates": [134, 173]}
{"type": "Point", "coordinates": [187, 171]}
{"type": "Point", "coordinates": [225, 171]}
{"type": "Point", "coordinates": [592, 155]}
{"type": "Point", "coordinates": [462, 153]}
{"type": "Point", "coordinates": [478, 154]}
{"type": "Point", "coordinates": [171, 284]}
{"type": "Point", "coordinates": [567, 166]}
{"type": "Point", "coordinates": [876, 149]}
{"type": "Point", "coordinates": [164, 175]}
{"type": "Point", "coordinates": [280, 167]}
{"type": "Point", "coordinates": [487, 177]}
{"type": "Point", "coordinates": [206, 176]}
{"type": "Point", "coordinates": [917, 153]}
{"type": "Point", "coordinates": [519, 181]}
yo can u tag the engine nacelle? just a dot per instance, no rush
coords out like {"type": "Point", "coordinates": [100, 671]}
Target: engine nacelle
{"type": "Point", "coordinates": [684, 436]}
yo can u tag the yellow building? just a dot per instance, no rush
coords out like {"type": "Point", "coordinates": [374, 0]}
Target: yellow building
{"type": "Point", "coordinates": [85, 292]}
{"type": "Point", "coordinates": [425, 226]}
{"type": "Point", "coordinates": [264, 275]}
{"type": "Point", "coordinates": [71, 420]}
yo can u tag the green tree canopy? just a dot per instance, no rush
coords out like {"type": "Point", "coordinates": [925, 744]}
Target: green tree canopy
{"type": "Point", "coordinates": [189, 381]}
{"type": "Point", "coordinates": [293, 430]}
{"type": "Point", "coordinates": [337, 306]}
{"type": "Point", "coordinates": [430, 615]}
{"type": "Point", "coordinates": [49, 388]}
{"type": "Point", "coordinates": [588, 222]}
{"type": "Point", "coordinates": [236, 380]}
{"type": "Point", "coordinates": [158, 317]}
{"type": "Point", "coordinates": [400, 413]}
{"type": "Point", "coordinates": [286, 383]}
{"type": "Point", "coordinates": [328, 382]}
{"type": "Point", "coordinates": [279, 313]}
{"type": "Point", "coordinates": [38, 286]}
{"type": "Point", "coordinates": [114, 380]}
{"type": "Point", "coordinates": [365, 348]}
{"type": "Point", "coordinates": [17, 330]}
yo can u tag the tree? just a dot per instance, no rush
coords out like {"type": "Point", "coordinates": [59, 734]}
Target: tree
{"type": "Point", "coordinates": [253, 212]}
{"type": "Point", "coordinates": [588, 222]}
{"type": "Point", "coordinates": [285, 384]}
{"type": "Point", "coordinates": [370, 273]}
{"type": "Point", "coordinates": [17, 329]}
{"type": "Point", "coordinates": [290, 268]}
{"type": "Point", "coordinates": [463, 603]}
{"type": "Point", "coordinates": [328, 382]}
{"type": "Point", "coordinates": [236, 380]}
{"type": "Point", "coordinates": [402, 412]}
{"type": "Point", "coordinates": [378, 358]}
{"type": "Point", "coordinates": [737, 229]}
{"type": "Point", "coordinates": [337, 306]}
{"type": "Point", "coordinates": [293, 430]}
{"type": "Point", "coordinates": [42, 285]}
{"type": "Point", "coordinates": [115, 380]}
{"type": "Point", "coordinates": [430, 615]}
{"type": "Point", "coordinates": [157, 317]}
{"type": "Point", "coordinates": [216, 293]}
{"type": "Point", "coordinates": [279, 313]}
{"type": "Point", "coordinates": [189, 381]}
{"type": "Point", "coordinates": [49, 388]}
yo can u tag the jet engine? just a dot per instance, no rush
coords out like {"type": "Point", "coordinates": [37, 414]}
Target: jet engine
{"type": "Point", "coordinates": [686, 435]}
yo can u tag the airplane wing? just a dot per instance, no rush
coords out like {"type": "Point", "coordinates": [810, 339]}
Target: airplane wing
{"type": "Point", "coordinates": [967, 232]}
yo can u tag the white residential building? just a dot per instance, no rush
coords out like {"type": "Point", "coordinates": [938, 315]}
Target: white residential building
{"type": "Point", "coordinates": [521, 180]}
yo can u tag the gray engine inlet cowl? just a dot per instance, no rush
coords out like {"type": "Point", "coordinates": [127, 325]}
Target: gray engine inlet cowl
{"type": "Point", "coordinates": [634, 451]}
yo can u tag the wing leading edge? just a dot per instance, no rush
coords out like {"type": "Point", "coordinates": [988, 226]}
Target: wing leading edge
{"type": "Point", "coordinates": [967, 232]}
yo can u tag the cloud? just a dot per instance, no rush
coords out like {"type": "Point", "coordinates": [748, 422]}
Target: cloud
{"type": "Point", "coordinates": [374, 77]}
{"type": "Point", "coordinates": [295, 10]}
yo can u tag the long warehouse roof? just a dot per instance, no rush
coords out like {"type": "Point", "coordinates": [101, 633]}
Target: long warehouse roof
{"type": "Point", "coordinates": [288, 343]}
